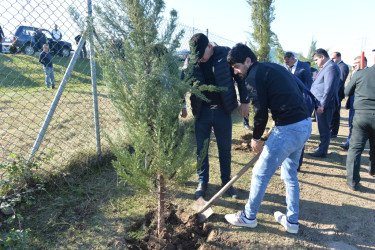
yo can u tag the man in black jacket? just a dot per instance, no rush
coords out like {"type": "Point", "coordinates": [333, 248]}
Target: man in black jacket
{"type": "Point", "coordinates": [362, 85]}
{"type": "Point", "coordinates": [210, 68]}
{"type": "Point", "coordinates": [40, 39]}
{"type": "Point", "coordinates": [344, 72]}
{"type": "Point", "coordinates": [45, 59]}
{"type": "Point", "coordinates": [273, 88]}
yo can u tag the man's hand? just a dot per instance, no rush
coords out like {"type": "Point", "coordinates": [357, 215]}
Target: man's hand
{"type": "Point", "coordinates": [256, 146]}
{"type": "Point", "coordinates": [244, 109]}
{"type": "Point", "coordinates": [184, 113]}
{"type": "Point", "coordinates": [320, 110]}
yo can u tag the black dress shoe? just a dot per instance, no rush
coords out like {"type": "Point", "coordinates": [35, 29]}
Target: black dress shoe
{"type": "Point", "coordinates": [345, 147]}
{"type": "Point", "coordinates": [318, 154]}
{"type": "Point", "coordinates": [353, 188]}
{"type": "Point", "coordinates": [201, 190]}
{"type": "Point", "coordinates": [372, 173]}
{"type": "Point", "coordinates": [232, 192]}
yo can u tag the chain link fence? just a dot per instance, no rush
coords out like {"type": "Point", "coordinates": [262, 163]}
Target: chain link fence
{"type": "Point", "coordinates": [60, 121]}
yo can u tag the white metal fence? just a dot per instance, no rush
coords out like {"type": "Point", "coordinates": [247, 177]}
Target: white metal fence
{"type": "Point", "coordinates": [51, 125]}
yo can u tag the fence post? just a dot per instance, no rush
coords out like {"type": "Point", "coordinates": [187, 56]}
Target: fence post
{"type": "Point", "coordinates": [93, 78]}
{"type": "Point", "coordinates": [56, 100]}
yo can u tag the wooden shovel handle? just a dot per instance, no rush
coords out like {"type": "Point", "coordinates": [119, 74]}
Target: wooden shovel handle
{"type": "Point", "coordinates": [233, 180]}
{"type": "Point", "coordinates": [227, 186]}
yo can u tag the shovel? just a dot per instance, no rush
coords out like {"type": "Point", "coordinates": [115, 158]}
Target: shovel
{"type": "Point", "coordinates": [204, 208]}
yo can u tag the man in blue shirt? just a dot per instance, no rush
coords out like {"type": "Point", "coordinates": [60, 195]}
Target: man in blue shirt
{"type": "Point", "coordinates": [45, 58]}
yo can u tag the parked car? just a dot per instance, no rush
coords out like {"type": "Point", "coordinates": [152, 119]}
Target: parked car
{"type": "Point", "coordinates": [7, 45]}
{"type": "Point", "coordinates": [24, 41]}
{"type": "Point", "coordinates": [183, 54]}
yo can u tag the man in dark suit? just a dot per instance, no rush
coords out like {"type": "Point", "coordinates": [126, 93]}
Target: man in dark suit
{"type": "Point", "coordinates": [344, 71]}
{"type": "Point", "coordinates": [325, 89]}
{"type": "Point", "coordinates": [300, 69]}
{"type": "Point", "coordinates": [303, 72]}
{"type": "Point", "coordinates": [362, 85]}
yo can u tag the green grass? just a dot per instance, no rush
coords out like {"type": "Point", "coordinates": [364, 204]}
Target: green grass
{"type": "Point", "coordinates": [25, 102]}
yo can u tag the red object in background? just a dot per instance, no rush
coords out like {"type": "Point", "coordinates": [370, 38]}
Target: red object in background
{"type": "Point", "coordinates": [362, 59]}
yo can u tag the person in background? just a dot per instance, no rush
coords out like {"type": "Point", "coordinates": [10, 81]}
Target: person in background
{"type": "Point", "coordinates": [298, 68]}
{"type": "Point", "coordinates": [325, 89]}
{"type": "Point", "coordinates": [273, 88]}
{"type": "Point", "coordinates": [302, 71]}
{"type": "Point", "coordinates": [210, 67]}
{"type": "Point", "coordinates": [45, 59]}
{"type": "Point", "coordinates": [83, 52]}
{"type": "Point", "coordinates": [56, 38]}
{"type": "Point", "coordinates": [362, 85]}
{"type": "Point", "coordinates": [344, 71]}
{"type": "Point", "coordinates": [1, 38]}
{"type": "Point", "coordinates": [350, 100]}
{"type": "Point", "coordinates": [40, 39]}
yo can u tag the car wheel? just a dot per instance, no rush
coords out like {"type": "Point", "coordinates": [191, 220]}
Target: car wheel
{"type": "Point", "coordinates": [65, 52]}
{"type": "Point", "coordinates": [28, 50]}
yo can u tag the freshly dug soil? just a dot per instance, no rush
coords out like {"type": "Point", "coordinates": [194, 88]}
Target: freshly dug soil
{"type": "Point", "coordinates": [183, 231]}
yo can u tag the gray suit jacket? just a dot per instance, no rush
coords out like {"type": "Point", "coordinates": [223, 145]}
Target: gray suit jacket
{"type": "Point", "coordinates": [326, 84]}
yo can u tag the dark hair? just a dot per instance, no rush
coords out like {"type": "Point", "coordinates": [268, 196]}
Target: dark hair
{"type": "Point", "coordinates": [320, 52]}
{"type": "Point", "coordinates": [360, 57]}
{"type": "Point", "coordinates": [239, 53]}
{"type": "Point", "coordinates": [198, 43]}
{"type": "Point", "coordinates": [288, 55]}
{"type": "Point", "coordinates": [337, 54]}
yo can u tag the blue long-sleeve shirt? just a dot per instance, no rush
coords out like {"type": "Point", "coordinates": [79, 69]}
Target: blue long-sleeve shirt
{"type": "Point", "coordinates": [46, 59]}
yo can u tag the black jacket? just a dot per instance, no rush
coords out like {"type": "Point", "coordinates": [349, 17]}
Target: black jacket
{"type": "Point", "coordinates": [362, 85]}
{"type": "Point", "coordinates": [46, 59]}
{"type": "Point", "coordinates": [272, 87]}
{"type": "Point", "coordinates": [224, 77]}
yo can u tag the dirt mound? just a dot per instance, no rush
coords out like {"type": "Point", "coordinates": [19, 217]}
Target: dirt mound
{"type": "Point", "coordinates": [183, 231]}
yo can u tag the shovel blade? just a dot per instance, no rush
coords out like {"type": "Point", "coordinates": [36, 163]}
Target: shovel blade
{"type": "Point", "coordinates": [198, 205]}
{"type": "Point", "coordinates": [205, 214]}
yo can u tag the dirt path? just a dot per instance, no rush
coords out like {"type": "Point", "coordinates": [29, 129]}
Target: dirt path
{"type": "Point", "coordinates": [331, 215]}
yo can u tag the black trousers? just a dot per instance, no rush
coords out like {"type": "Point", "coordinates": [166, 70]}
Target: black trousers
{"type": "Point", "coordinates": [335, 123]}
{"type": "Point", "coordinates": [363, 129]}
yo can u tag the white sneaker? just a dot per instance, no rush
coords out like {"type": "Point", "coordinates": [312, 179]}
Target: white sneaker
{"type": "Point", "coordinates": [239, 219]}
{"type": "Point", "coordinates": [281, 218]}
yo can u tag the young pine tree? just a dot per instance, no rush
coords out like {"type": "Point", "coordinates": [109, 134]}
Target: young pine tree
{"type": "Point", "coordinates": [144, 84]}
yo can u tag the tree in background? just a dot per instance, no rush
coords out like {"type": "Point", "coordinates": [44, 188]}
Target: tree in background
{"type": "Point", "coordinates": [144, 85]}
{"type": "Point", "coordinates": [262, 16]}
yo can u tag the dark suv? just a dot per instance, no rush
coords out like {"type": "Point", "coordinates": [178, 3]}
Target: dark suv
{"type": "Point", "coordinates": [24, 41]}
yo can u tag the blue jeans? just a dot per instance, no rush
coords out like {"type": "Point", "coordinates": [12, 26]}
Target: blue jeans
{"type": "Point", "coordinates": [283, 147]}
{"type": "Point", "coordinates": [221, 122]}
{"type": "Point", "coordinates": [50, 78]}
